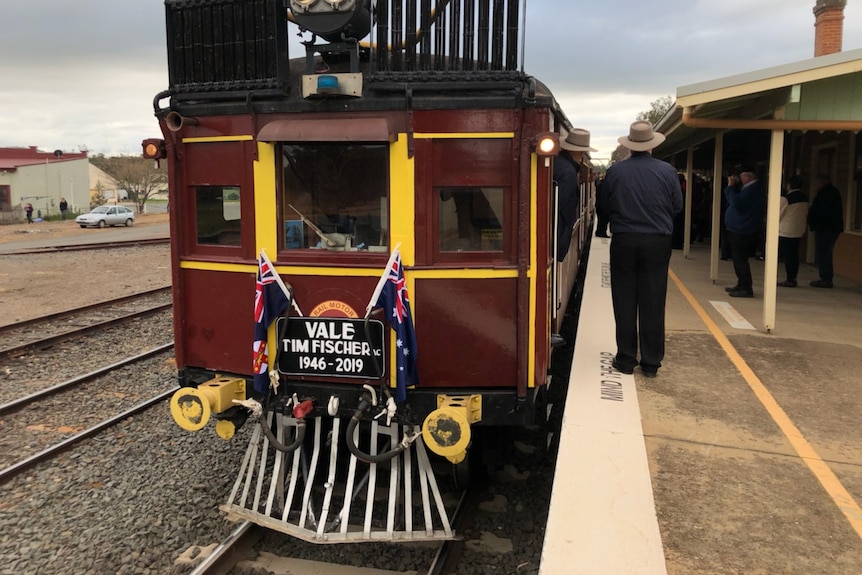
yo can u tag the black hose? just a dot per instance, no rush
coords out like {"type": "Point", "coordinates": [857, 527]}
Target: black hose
{"type": "Point", "coordinates": [354, 449]}
{"type": "Point", "coordinates": [297, 440]}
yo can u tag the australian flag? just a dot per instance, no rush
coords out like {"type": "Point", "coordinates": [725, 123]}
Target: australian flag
{"type": "Point", "coordinates": [396, 305]}
{"type": "Point", "coordinates": [271, 298]}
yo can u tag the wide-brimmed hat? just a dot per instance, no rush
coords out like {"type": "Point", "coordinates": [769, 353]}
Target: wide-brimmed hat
{"type": "Point", "coordinates": [641, 137]}
{"type": "Point", "coordinates": [577, 140]}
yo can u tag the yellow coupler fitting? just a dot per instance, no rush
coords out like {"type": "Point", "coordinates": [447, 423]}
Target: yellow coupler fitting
{"type": "Point", "coordinates": [446, 430]}
{"type": "Point", "coordinates": [192, 407]}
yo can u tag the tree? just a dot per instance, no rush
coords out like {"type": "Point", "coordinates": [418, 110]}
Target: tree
{"type": "Point", "coordinates": [658, 108]}
{"type": "Point", "coordinates": [96, 196]}
{"type": "Point", "coordinates": [135, 174]}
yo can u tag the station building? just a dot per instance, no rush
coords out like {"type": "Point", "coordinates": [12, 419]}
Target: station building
{"type": "Point", "coordinates": [799, 118]}
{"type": "Point", "coordinates": [42, 178]}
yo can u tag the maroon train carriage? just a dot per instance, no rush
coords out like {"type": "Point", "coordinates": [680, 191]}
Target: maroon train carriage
{"type": "Point", "coordinates": [302, 180]}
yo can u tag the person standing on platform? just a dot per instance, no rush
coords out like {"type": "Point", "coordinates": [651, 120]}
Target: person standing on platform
{"type": "Point", "coordinates": [826, 220]}
{"type": "Point", "coordinates": [566, 175]}
{"type": "Point", "coordinates": [640, 196]}
{"type": "Point", "coordinates": [746, 207]}
{"type": "Point", "coordinates": [792, 217]}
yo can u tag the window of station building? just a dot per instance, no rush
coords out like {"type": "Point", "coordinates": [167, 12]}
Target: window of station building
{"type": "Point", "coordinates": [336, 196]}
{"type": "Point", "coordinates": [218, 215]}
{"type": "Point", "coordinates": [471, 219]}
{"type": "Point", "coordinates": [5, 198]}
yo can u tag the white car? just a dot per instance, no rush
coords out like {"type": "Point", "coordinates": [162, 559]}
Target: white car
{"type": "Point", "coordinates": [107, 216]}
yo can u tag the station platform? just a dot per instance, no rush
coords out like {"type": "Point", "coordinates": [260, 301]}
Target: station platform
{"type": "Point", "coordinates": [641, 483]}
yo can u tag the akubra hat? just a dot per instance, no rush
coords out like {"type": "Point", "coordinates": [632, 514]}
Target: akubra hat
{"type": "Point", "coordinates": [577, 140]}
{"type": "Point", "coordinates": [641, 137]}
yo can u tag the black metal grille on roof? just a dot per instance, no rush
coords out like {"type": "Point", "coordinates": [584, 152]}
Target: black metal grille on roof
{"type": "Point", "coordinates": [241, 45]}
{"type": "Point", "coordinates": [226, 44]}
{"type": "Point", "coordinates": [451, 35]}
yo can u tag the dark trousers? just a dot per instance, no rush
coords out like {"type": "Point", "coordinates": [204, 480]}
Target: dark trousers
{"type": "Point", "coordinates": [602, 227]}
{"type": "Point", "coordinates": [639, 264]}
{"type": "Point", "coordinates": [741, 248]}
{"type": "Point", "coordinates": [788, 249]}
{"type": "Point", "coordinates": [823, 244]}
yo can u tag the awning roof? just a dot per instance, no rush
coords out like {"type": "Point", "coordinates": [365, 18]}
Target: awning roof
{"type": "Point", "coordinates": [818, 93]}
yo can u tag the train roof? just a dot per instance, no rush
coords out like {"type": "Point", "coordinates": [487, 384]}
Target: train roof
{"type": "Point", "coordinates": [414, 59]}
{"type": "Point", "coordinates": [380, 91]}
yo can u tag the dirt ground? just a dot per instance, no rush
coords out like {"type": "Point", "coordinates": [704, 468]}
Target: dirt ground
{"type": "Point", "coordinates": [68, 228]}
{"type": "Point", "coordinates": [34, 285]}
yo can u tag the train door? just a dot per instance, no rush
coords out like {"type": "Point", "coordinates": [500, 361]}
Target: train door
{"type": "Point", "coordinates": [215, 225]}
{"type": "Point", "coordinates": [466, 260]}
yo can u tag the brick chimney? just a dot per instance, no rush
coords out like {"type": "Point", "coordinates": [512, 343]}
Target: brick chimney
{"type": "Point", "coordinates": [828, 26]}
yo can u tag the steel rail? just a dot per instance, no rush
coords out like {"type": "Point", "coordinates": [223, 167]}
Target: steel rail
{"type": "Point", "coordinates": [449, 552]}
{"type": "Point", "coordinates": [22, 401]}
{"type": "Point", "coordinates": [24, 464]}
{"type": "Point", "coordinates": [82, 330]}
{"type": "Point", "coordinates": [83, 247]}
{"type": "Point", "coordinates": [72, 312]}
{"type": "Point", "coordinates": [230, 551]}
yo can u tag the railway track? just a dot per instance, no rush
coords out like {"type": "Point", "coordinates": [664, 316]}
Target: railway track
{"type": "Point", "coordinates": [239, 546]}
{"type": "Point", "coordinates": [45, 331]}
{"type": "Point", "coordinates": [88, 246]}
{"type": "Point", "coordinates": [56, 418]}
{"type": "Point", "coordinates": [43, 416]}
{"type": "Point", "coordinates": [49, 452]}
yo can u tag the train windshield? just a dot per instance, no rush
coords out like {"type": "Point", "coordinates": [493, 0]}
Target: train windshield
{"type": "Point", "coordinates": [335, 196]}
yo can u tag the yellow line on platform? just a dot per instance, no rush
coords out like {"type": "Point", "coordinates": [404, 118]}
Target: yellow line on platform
{"type": "Point", "coordinates": [827, 478]}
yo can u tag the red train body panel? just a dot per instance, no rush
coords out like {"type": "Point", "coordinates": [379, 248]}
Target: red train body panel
{"type": "Point", "coordinates": [328, 164]}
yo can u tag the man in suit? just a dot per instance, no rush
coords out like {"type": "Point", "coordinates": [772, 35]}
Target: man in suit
{"type": "Point", "coordinates": [640, 197]}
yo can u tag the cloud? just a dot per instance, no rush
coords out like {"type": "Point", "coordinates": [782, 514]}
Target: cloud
{"type": "Point", "coordinates": [85, 72]}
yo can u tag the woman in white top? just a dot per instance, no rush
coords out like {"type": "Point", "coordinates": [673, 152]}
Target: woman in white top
{"type": "Point", "coordinates": [792, 222]}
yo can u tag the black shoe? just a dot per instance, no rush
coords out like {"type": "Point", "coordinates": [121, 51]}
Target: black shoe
{"type": "Point", "coordinates": [649, 373]}
{"type": "Point", "coordinates": [787, 283]}
{"type": "Point", "coordinates": [621, 369]}
{"type": "Point", "coordinates": [821, 284]}
{"type": "Point", "coordinates": [741, 293]}
{"type": "Point", "coordinates": [730, 289]}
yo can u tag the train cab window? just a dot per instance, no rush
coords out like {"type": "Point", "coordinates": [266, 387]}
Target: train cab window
{"type": "Point", "coordinates": [471, 219]}
{"type": "Point", "coordinates": [218, 215]}
{"type": "Point", "coordinates": [336, 196]}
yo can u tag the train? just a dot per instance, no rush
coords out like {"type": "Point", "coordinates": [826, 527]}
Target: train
{"type": "Point", "coordinates": [364, 250]}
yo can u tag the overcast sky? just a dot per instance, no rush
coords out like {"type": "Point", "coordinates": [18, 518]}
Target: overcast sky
{"type": "Point", "coordinates": [84, 73]}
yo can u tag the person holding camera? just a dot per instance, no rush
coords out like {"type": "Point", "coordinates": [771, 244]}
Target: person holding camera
{"type": "Point", "coordinates": [746, 207]}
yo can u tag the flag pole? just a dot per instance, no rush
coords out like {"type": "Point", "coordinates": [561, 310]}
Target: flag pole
{"type": "Point", "coordinates": [382, 281]}
{"type": "Point", "coordinates": [287, 293]}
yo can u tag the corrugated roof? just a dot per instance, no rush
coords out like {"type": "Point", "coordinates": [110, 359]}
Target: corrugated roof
{"type": "Point", "coordinates": [752, 95]}
{"type": "Point", "coordinates": [778, 76]}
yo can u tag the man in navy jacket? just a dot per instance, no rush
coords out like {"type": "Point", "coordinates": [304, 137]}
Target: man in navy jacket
{"type": "Point", "coordinates": [746, 207]}
{"type": "Point", "coordinates": [640, 197]}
